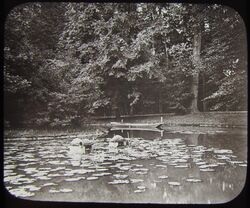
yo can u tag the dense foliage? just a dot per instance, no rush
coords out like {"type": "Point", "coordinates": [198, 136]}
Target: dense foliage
{"type": "Point", "coordinates": [65, 62]}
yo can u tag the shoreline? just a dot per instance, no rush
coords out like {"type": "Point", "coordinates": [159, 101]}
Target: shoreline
{"type": "Point", "coordinates": [236, 120]}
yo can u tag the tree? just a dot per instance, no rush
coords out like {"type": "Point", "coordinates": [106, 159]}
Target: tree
{"type": "Point", "coordinates": [30, 39]}
{"type": "Point", "coordinates": [112, 59]}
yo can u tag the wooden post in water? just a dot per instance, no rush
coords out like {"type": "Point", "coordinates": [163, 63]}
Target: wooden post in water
{"type": "Point", "coordinates": [161, 119]}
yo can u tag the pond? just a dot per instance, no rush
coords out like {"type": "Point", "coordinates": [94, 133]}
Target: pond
{"type": "Point", "coordinates": [175, 165]}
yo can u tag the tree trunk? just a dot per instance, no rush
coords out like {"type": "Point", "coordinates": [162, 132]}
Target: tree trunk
{"type": "Point", "coordinates": [131, 111]}
{"type": "Point", "coordinates": [196, 71]}
{"type": "Point", "coordinates": [116, 109]}
{"type": "Point", "coordinates": [160, 102]}
{"type": "Point", "coordinates": [204, 103]}
{"type": "Point", "coordinates": [194, 90]}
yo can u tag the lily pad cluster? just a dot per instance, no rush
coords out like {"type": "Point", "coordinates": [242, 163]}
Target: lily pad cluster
{"type": "Point", "coordinates": [33, 166]}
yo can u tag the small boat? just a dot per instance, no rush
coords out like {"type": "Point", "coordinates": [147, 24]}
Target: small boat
{"type": "Point", "coordinates": [136, 129]}
{"type": "Point", "coordinates": [148, 125]}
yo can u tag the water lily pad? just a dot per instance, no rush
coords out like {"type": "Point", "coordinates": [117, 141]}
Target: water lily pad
{"type": "Point", "coordinates": [141, 187]}
{"type": "Point", "coordinates": [160, 166]}
{"type": "Point", "coordinates": [73, 179]}
{"type": "Point", "coordinates": [55, 169]}
{"type": "Point", "coordinates": [107, 163]}
{"type": "Point", "coordinates": [125, 167]}
{"type": "Point", "coordinates": [174, 183]}
{"type": "Point", "coordinates": [139, 169]}
{"type": "Point", "coordinates": [207, 170]}
{"type": "Point", "coordinates": [135, 180]}
{"type": "Point", "coordinates": [49, 184]}
{"type": "Point", "coordinates": [68, 174]}
{"type": "Point", "coordinates": [243, 165]}
{"type": "Point", "coordinates": [119, 182]}
{"type": "Point", "coordinates": [139, 190]}
{"type": "Point", "coordinates": [9, 173]}
{"type": "Point", "coordinates": [7, 167]}
{"type": "Point", "coordinates": [223, 157]}
{"type": "Point", "coordinates": [101, 169]}
{"type": "Point", "coordinates": [30, 170]}
{"type": "Point", "coordinates": [193, 180]}
{"type": "Point", "coordinates": [180, 160]}
{"type": "Point", "coordinates": [223, 151]}
{"type": "Point", "coordinates": [54, 175]}
{"type": "Point", "coordinates": [20, 192]}
{"type": "Point", "coordinates": [54, 191]}
{"type": "Point", "coordinates": [181, 166]}
{"type": "Point", "coordinates": [141, 173]}
{"type": "Point", "coordinates": [208, 166]}
{"type": "Point", "coordinates": [172, 164]}
{"type": "Point", "coordinates": [32, 188]}
{"type": "Point", "coordinates": [235, 162]}
{"type": "Point", "coordinates": [92, 178]}
{"type": "Point", "coordinates": [119, 176]}
{"type": "Point", "coordinates": [200, 163]}
{"type": "Point", "coordinates": [65, 190]}
{"type": "Point", "coordinates": [221, 163]}
{"type": "Point", "coordinates": [47, 169]}
{"type": "Point", "coordinates": [163, 177]}
{"type": "Point", "coordinates": [44, 178]}
{"type": "Point", "coordinates": [101, 174]}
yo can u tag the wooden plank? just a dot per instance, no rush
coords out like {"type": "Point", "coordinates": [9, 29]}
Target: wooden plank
{"type": "Point", "coordinates": [135, 129]}
{"type": "Point", "coordinates": [136, 124]}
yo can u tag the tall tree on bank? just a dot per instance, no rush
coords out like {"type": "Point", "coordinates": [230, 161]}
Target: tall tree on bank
{"type": "Point", "coordinates": [111, 59]}
{"type": "Point", "coordinates": [31, 34]}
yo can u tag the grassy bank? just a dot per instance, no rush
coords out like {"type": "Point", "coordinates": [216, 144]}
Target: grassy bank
{"type": "Point", "coordinates": [85, 130]}
{"type": "Point", "coordinates": [213, 119]}
{"type": "Point", "coordinates": [208, 119]}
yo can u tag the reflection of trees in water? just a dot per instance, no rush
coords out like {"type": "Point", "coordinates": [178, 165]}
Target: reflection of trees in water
{"type": "Point", "coordinates": [193, 139]}
{"type": "Point", "coordinates": [137, 134]}
{"type": "Point", "coordinates": [197, 139]}
{"type": "Point", "coordinates": [236, 143]}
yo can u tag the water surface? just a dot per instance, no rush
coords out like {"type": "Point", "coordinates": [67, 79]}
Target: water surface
{"type": "Point", "coordinates": [178, 165]}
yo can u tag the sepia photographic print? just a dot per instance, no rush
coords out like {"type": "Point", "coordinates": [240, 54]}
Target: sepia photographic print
{"type": "Point", "coordinates": [125, 103]}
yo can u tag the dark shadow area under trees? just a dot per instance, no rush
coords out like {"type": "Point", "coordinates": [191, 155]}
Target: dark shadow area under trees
{"type": "Point", "coordinates": [67, 62]}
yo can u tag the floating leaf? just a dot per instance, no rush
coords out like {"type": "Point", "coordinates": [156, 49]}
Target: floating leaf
{"type": "Point", "coordinates": [119, 176]}
{"type": "Point", "coordinates": [193, 180]}
{"type": "Point", "coordinates": [223, 151]}
{"type": "Point", "coordinates": [181, 166]}
{"type": "Point", "coordinates": [49, 184]}
{"type": "Point", "coordinates": [92, 178]}
{"type": "Point", "coordinates": [141, 187]}
{"type": "Point", "coordinates": [174, 183]}
{"type": "Point", "coordinates": [66, 190]}
{"type": "Point", "coordinates": [207, 170]}
{"type": "Point", "coordinates": [19, 192]}
{"type": "Point", "coordinates": [54, 191]}
{"type": "Point", "coordinates": [163, 177]}
{"type": "Point", "coordinates": [73, 179]}
{"type": "Point", "coordinates": [136, 180]}
{"type": "Point", "coordinates": [139, 190]}
{"type": "Point", "coordinates": [101, 174]}
{"type": "Point", "coordinates": [161, 166]}
{"type": "Point", "coordinates": [235, 162]}
{"type": "Point", "coordinates": [208, 166]}
{"type": "Point", "coordinates": [119, 182]}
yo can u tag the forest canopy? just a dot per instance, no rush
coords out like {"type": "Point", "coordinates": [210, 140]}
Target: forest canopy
{"type": "Point", "coordinates": [66, 62]}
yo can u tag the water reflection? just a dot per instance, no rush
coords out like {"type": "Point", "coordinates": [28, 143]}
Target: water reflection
{"type": "Point", "coordinates": [139, 166]}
